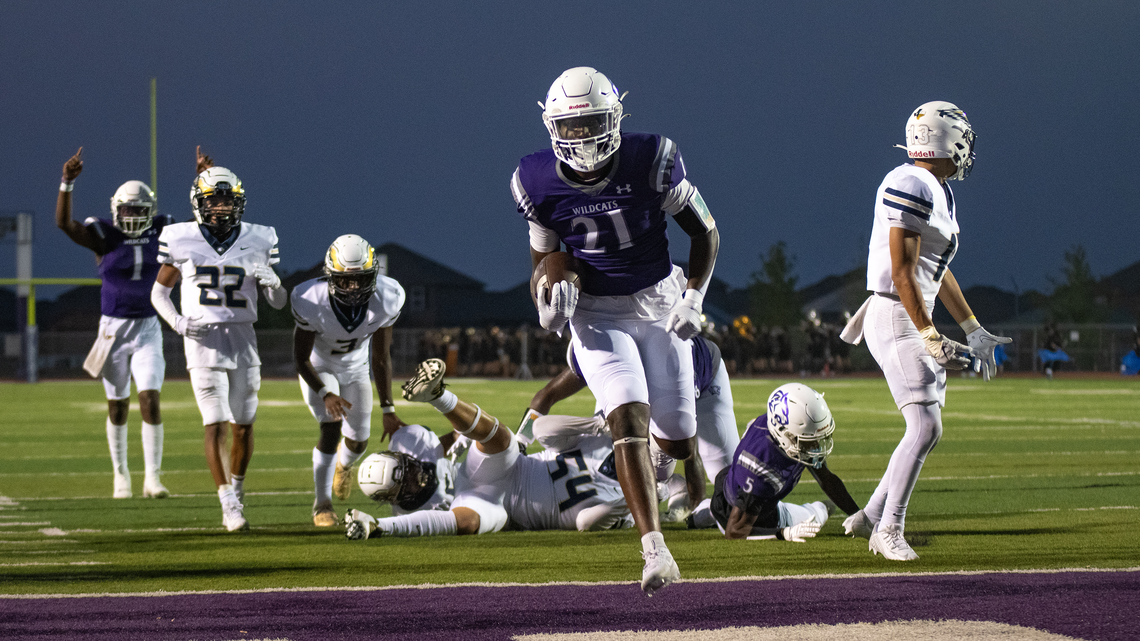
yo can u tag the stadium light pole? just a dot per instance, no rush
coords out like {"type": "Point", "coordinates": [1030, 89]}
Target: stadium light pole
{"type": "Point", "coordinates": [154, 136]}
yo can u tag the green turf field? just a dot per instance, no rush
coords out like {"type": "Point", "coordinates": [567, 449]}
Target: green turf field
{"type": "Point", "coordinates": [1029, 474]}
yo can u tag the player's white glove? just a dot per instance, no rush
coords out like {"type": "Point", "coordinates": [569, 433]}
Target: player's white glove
{"type": "Point", "coordinates": [563, 299]}
{"type": "Point", "coordinates": [266, 277]}
{"type": "Point", "coordinates": [983, 344]}
{"type": "Point", "coordinates": [800, 532]}
{"type": "Point", "coordinates": [947, 353]}
{"type": "Point", "coordinates": [190, 327]}
{"type": "Point", "coordinates": [685, 319]}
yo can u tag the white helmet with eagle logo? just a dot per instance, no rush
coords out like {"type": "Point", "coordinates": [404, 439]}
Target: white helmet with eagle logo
{"type": "Point", "coordinates": [939, 129]}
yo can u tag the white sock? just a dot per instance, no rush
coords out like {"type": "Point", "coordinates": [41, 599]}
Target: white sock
{"type": "Point", "coordinates": [226, 494]}
{"type": "Point", "coordinates": [446, 402]}
{"type": "Point", "coordinates": [117, 442]}
{"type": "Point", "coordinates": [652, 541]}
{"type": "Point", "coordinates": [152, 449]}
{"type": "Point", "coordinates": [323, 475]}
{"type": "Point", "coordinates": [237, 482]}
{"type": "Point", "coordinates": [425, 523]}
{"type": "Point", "coordinates": [346, 457]}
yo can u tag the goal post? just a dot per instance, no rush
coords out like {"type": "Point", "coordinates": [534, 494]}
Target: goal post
{"type": "Point", "coordinates": [31, 330]}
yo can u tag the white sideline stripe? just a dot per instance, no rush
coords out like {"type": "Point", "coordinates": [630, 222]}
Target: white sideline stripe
{"type": "Point", "coordinates": [179, 496]}
{"type": "Point", "coordinates": [1018, 454]}
{"type": "Point", "coordinates": [431, 586]}
{"type": "Point", "coordinates": [26, 523]}
{"type": "Point", "coordinates": [50, 457]}
{"type": "Point", "coordinates": [1083, 392]}
{"type": "Point", "coordinates": [27, 552]}
{"type": "Point", "coordinates": [986, 477]}
{"type": "Point", "coordinates": [18, 565]}
{"type": "Point", "coordinates": [164, 472]}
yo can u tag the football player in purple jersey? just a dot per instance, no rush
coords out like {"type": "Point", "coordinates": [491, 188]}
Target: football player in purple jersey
{"type": "Point", "coordinates": [794, 434]}
{"type": "Point", "coordinates": [606, 195]}
{"type": "Point", "coordinates": [130, 339]}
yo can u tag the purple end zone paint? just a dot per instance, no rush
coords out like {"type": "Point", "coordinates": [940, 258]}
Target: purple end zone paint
{"type": "Point", "coordinates": [1086, 605]}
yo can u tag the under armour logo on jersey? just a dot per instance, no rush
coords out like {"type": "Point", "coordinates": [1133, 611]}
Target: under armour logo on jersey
{"type": "Point", "coordinates": [625, 190]}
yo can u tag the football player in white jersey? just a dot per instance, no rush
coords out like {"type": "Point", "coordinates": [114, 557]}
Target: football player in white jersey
{"type": "Point", "coordinates": [572, 485]}
{"type": "Point", "coordinates": [344, 320]}
{"type": "Point", "coordinates": [913, 240]}
{"type": "Point", "coordinates": [223, 263]}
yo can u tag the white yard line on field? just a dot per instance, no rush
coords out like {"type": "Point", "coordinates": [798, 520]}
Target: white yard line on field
{"type": "Point", "coordinates": [430, 586]}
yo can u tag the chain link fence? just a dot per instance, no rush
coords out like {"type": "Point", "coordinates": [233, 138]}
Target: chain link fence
{"type": "Point", "coordinates": [497, 352]}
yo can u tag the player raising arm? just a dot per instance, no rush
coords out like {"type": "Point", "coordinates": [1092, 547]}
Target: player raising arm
{"type": "Point", "coordinates": [342, 319]}
{"type": "Point", "coordinates": [223, 264]}
{"type": "Point", "coordinates": [129, 344]}
{"type": "Point", "coordinates": [913, 240]}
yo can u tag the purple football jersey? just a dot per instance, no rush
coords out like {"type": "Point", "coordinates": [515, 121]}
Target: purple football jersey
{"type": "Point", "coordinates": [616, 228]}
{"type": "Point", "coordinates": [760, 474]}
{"type": "Point", "coordinates": [128, 268]}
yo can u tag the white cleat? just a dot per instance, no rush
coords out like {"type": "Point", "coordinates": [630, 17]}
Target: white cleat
{"type": "Point", "coordinates": [154, 489]}
{"type": "Point", "coordinates": [858, 525]}
{"type": "Point", "coordinates": [233, 518]}
{"type": "Point", "coordinates": [359, 526]}
{"type": "Point", "coordinates": [427, 383]}
{"type": "Point", "coordinates": [122, 486]}
{"type": "Point", "coordinates": [660, 570]}
{"type": "Point", "coordinates": [889, 542]}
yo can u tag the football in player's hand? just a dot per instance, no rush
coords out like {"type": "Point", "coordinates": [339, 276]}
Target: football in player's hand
{"type": "Point", "coordinates": [555, 267]}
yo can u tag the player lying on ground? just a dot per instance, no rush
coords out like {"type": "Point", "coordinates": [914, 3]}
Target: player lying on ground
{"type": "Point", "coordinates": [339, 316]}
{"type": "Point", "coordinates": [796, 432]}
{"type": "Point", "coordinates": [129, 344]}
{"type": "Point", "coordinates": [569, 486]}
{"type": "Point", "coordinates": [223, 264]}
{"type": "Point", "coordinates": [717, 435]}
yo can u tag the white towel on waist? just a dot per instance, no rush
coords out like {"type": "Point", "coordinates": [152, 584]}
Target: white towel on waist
{"type": "Point", "coordinates": [853, 332]}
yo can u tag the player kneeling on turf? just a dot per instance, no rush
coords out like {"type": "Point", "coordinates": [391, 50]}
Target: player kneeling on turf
{"type": "Point", "coordinates": [338, 316]}
{"type": "Point", "coordinates": [795, 433]}
{"type": "Point", "coordinates": [571, 485]}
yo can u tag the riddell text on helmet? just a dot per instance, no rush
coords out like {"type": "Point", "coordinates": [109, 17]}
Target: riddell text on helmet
{"type": "Point", "coordinates": [921, 154]}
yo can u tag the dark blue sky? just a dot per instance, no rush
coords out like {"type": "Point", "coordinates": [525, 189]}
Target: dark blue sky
{"type": "Point", "coordinates": [404, 123]}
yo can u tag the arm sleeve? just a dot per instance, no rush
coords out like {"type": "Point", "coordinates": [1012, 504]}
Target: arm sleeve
{"type": "Point", "coordinates": [542, 239]}
{"type": "Point", "coordinates": [160, 299]}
